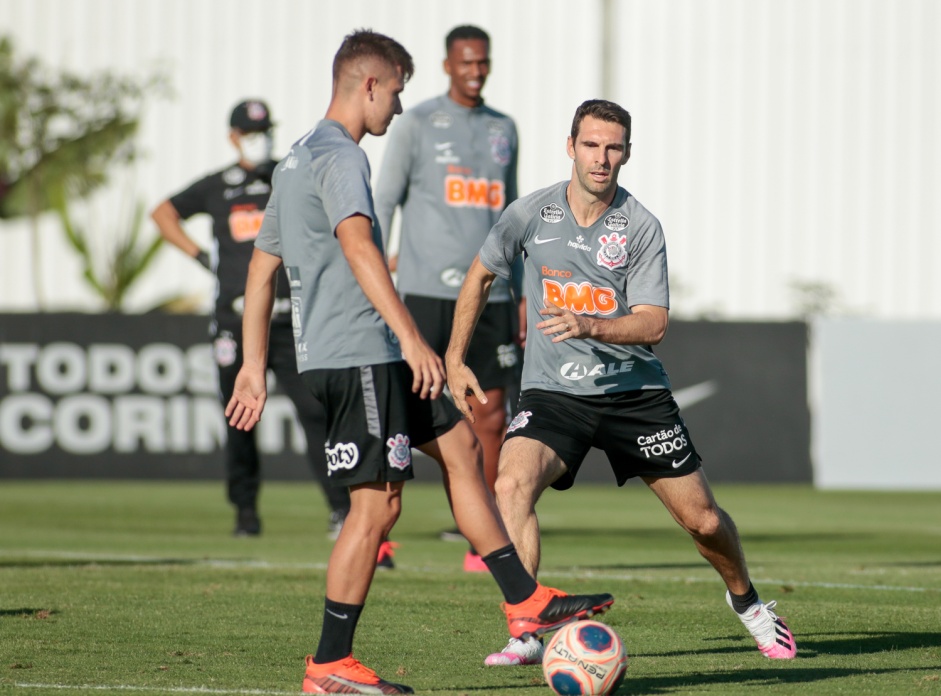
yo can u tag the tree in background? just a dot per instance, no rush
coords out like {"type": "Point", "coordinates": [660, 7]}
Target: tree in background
{"type": "Point", "coordinates": [60, 135]}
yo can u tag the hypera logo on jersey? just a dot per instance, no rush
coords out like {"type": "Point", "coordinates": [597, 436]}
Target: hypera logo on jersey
{"type": "Point", "coordinates": [520, 420]}
{"type": "Point", "coordinates": [552, 213]}
{"type": "Point", "coordinates": [400, 452]}
{"type": "Point", "coordinates": [343, 455]}
{"type": "Point", "coordinates": [616, 222]}
{"type": "Point", "coordinates": [613, 251]}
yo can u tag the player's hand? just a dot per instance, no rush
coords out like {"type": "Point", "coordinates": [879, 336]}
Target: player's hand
{"type": "Point", "coordinates": [521, 310]}
{"type": "Point", "coordinates": [248, 399]}
{"type": "Point", "coordinates": [393, 263]}
{"type": "Point", "coordinates": [428, 378]}
{"type": "Point", "coordinates": [563, 324]}
{"type": "Point", "coordinates": [462, 383]}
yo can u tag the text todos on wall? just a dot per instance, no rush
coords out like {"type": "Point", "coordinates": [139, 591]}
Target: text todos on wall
{"type": "Point", "coordinates": [87, 399]}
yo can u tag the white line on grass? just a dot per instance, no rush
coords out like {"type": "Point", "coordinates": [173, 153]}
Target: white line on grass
{"type": "Point", "coordinates": [575, 573]}
{"type": "Point", "coordinates": [165, 689]}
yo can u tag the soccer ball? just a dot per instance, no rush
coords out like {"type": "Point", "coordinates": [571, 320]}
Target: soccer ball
{"type": "Point", "coordinates": [585, 657]}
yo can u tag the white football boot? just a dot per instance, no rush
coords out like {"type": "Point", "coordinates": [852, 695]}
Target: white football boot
{"type": "Point", "coordinates": [517, 652]}
{"type": "Point", "coordinates": [774, 638]}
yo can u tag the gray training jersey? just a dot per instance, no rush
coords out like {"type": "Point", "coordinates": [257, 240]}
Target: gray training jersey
{"type": "Point", "coordinates": [601, 270]}
{"type": "Point", "coordinates": [453, 171]}
{"type": "Point", "coordinates": [323, 180]}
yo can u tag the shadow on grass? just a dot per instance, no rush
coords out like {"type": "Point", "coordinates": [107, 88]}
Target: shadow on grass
{"type": "Point", "coordinates": [27, 613]}
{"type": "Point", "coordinates": [819, 644]}
{"type": "Point", "coordinates": [94, 562]}
{"type": "Point", "coordinates": [792, 673]}
{"type": "Point", "coordinates": [579, 533]}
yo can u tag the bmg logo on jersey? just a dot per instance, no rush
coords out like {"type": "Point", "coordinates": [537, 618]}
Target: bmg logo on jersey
{"type": "Point", "coordinates": [343, 455]}
{"type": "Point", "coordinates": [664, 442]}
{"type": "Point", "coordinates": [468, 192]}
{"type": "Point", "coordinates": [579, 298]}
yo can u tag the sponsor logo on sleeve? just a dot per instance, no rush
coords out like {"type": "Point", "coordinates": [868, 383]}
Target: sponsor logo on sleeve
{"type": "Point", "coordinates": [400, 452]}
{"type": "Point", "coordinates": [343, 455]}
{"type": "Point", "coordinates": [520, 420]}
{"type": "Point", "coordinates": [616, 222]}
{"type": "Point", "coordinates": [552, 213]}
{"type": "Point", "coordinates": [613, 251]}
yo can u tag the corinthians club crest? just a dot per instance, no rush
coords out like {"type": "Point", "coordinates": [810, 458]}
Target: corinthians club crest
{"type": "Point", "coordinates": [613, 251]}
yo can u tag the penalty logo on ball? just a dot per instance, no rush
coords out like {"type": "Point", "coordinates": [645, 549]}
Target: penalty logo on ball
{"type": "Point", "coordinates": [586, 657]}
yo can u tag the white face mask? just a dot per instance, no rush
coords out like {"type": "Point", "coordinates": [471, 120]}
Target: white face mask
{"type": "Point", "coordinates": [256, 147]}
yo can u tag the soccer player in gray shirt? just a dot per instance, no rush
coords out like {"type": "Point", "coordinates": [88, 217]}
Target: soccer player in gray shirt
{"type": "Point", "coordinates": [451, 166]}
{"type": "Point", "coordinates": [596, 274]}
{"type": "Point", "coordinates": [352, 332]}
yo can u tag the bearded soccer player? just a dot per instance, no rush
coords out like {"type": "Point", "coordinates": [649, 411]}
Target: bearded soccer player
{"type": "Point", "coordinates": [361, 354]}
{"type": "Point", "coordinates": [596, 277]}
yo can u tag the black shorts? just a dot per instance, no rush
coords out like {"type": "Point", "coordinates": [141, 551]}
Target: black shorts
{"type": "Point", "coordinates": [492, 354]}
{"type": "Point", "coordinates": [641, 432]}
{"type": "Point", "coordinates": [373, 421]}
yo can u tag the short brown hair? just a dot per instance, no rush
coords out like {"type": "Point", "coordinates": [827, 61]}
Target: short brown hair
{"type": "Point", "coordinates": [603, 110]}
{"type": "Point", "coordinates": [365, 43]}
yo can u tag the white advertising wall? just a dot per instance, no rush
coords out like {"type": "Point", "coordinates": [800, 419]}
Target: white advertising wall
{"type": "Point", "coordinates": [783, 144]}
{"type": "Point", "coordinates": [874, 388]}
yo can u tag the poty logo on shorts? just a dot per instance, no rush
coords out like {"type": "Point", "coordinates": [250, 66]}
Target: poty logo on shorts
{"type": "Point", "coordinates": [552, 213]}
{"type": "Point", "coordinates": [343, 455]}
{"type": "Point", "coordinates": [616, 222]}
{"type": "Point", "coordinates": [520, 420]}
{"type": "Point", "coordinates": [664, 442]}
{"type": "Point", "coordinates": [400, 453]}
{"type": "Point", "coordinates": [613, 251]}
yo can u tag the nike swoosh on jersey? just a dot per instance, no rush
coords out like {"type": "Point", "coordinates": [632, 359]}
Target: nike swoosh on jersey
{"type": "Point", "coordinates": [678, 464]}
{"type": "Point", "coordinates": [544, 241]}
{"type": "Point", "coordinates": [443, 146]}
{"type": "Point", "coordinates": [689, 396]}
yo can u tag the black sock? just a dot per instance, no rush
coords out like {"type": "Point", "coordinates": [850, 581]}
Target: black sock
{"type": "Point", "coordinates": [507, 569]}
{"type": "Point", "coordinates": [741, 603]}
{"type": "Point", "coordinates": [336, 636]}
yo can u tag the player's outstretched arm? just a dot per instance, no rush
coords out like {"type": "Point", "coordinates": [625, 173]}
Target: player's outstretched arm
{"type": "Point", "coordinates": [248, 398]}
{"type": "Point", "coordinates": [371, 272]}
{"type": "Point", "coordinates": [470, 305]}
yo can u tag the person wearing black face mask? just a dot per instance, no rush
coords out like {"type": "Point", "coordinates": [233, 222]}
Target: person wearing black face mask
{"type": "Point", "coordinates": [235, 198]}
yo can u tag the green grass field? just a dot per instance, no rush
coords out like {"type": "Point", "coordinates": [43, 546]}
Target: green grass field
{"type": "Point", "coordinates": [138, 588]}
